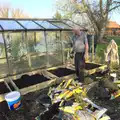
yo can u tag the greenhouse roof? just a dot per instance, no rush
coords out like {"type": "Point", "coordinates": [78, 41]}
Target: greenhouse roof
{"type": "Point", "coordinates": [7, 24]}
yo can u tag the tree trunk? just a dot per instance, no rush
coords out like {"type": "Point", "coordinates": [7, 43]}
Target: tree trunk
{"type": "Point", "coordinates": [101, 34]}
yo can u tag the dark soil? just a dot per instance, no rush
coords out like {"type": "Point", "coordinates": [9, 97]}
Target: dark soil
{"type": "Point", "coordinates": [4, 107]}
{"type": "Point", "coordinates": [101, 97]}
{"type": "Point", "coordinates": [60, 72]}
{"type": "Point", "coordinates": [2, 117]}
{"type": "Point", "coordinates": [32, 106]}
{"type": "Point", "coordinates": [89, 66]}
{"type": "Point", "coordinates": [3, 88]}
{"type": "Point", "coordinates": [27, 80]}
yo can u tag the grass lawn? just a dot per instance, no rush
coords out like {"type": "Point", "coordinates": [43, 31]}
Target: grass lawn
{"type": "Point", "coordinates": [102, 47]}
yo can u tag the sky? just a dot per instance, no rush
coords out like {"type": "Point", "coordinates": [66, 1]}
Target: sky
{"type": "Point", "coordinates": [34, 8]}
{"type": "Point", "coordinates": [43, 8]}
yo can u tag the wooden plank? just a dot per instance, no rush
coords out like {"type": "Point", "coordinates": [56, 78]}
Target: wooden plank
{"type": "Point", "coordinates": [53, 68]}
{"type": "Point", "coordinates": [46, 74]}
{"type": "Point", "coordinates": [92, 71]}
{"type": "Point", "coordinates": [2, 98]}
{"type": "Point", "coordinates": [7, 85]}
{"type": "Point", "coordinates": [1, 80]}
{"type": "Point", "coordinates": [14, 85]}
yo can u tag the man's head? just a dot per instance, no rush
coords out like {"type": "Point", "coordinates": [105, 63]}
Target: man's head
{"type": "Point", "coordinates": [78, 31]}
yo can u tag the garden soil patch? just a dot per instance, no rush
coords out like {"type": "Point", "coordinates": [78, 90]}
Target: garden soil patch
{"type": "Point", "coordinates": [26, 80]}
{"type": "Point", "coordinates": [60, 72]}
{"type": "Point", "coordinates": [4, 107]}
{"type": "Point", "coordinates": [89, 66]}
{"type": "Point", "coordinates": [3, 88]}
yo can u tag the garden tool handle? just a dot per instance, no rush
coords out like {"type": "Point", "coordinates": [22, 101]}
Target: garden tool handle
{"type": "Point", "coordinates": [90, 102]}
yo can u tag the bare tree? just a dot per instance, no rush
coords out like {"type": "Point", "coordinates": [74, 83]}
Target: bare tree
{"type": "Point", "coordinates": [18, 13]}
{"type": "Point", "coordinates": [98, 12]}
{"type": "Point", "coordinates": [66, 8]}
{"type": "Point", "coordinates": [4, 10]}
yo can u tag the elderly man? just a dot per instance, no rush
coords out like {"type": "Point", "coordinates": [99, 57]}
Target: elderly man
{"type": "Point", "coordinates": [80, 48]}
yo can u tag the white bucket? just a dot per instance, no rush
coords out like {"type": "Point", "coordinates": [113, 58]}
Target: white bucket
{"type": "Point", "coordinates": [13, 100]}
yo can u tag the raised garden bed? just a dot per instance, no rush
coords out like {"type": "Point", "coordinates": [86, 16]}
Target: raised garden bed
{"type": "Point", "coordinates": [93, 68]}
{"type": "Point", "coordinates": [60, 72]}
{"type": "Point", "coordinates": [90, 68]}
{"type": "Point", "coordinates": [26, 80]}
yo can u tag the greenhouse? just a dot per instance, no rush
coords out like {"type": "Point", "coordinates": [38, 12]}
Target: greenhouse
{"type": "Point", "coordinates": [35, 56]}
{"type": "Point", "coordinates": [29, 44]}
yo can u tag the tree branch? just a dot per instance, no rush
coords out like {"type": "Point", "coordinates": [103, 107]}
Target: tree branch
{"type": "Point", "coordinates": [116, 2]}
{"type": "Point", "coordinates": [114, 8]}
{"type": "Point", "coordinates": [101, 10]}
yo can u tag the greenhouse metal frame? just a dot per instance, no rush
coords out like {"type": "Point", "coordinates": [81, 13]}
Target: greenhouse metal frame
{"type": "Point", "coordinates": [29, 44]}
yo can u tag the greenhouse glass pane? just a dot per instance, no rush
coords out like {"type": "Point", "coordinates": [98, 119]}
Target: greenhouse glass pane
{"type": "Point", "coordinates": [61, 25]}
{"type": "Point", "coordinates": [54, 47]}
{"type": "Point", "coordinates": [29, 24]}
{"type": "Point", "coordinates": [10, 25]}
{"type": "Point", "coordinates": [17, 52]}
{"type": "Point", "coordinates": [3, 61]}
{"type": "Point", "coordinates": [67, 48]}
{"type": "Point", "coordinates": [46, 24]}
{"type": "Point", "coordinates": [39, 57]}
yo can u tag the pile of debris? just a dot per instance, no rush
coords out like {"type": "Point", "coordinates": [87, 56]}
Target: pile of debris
{"type": "Point", "coordinates": [70, 102]}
